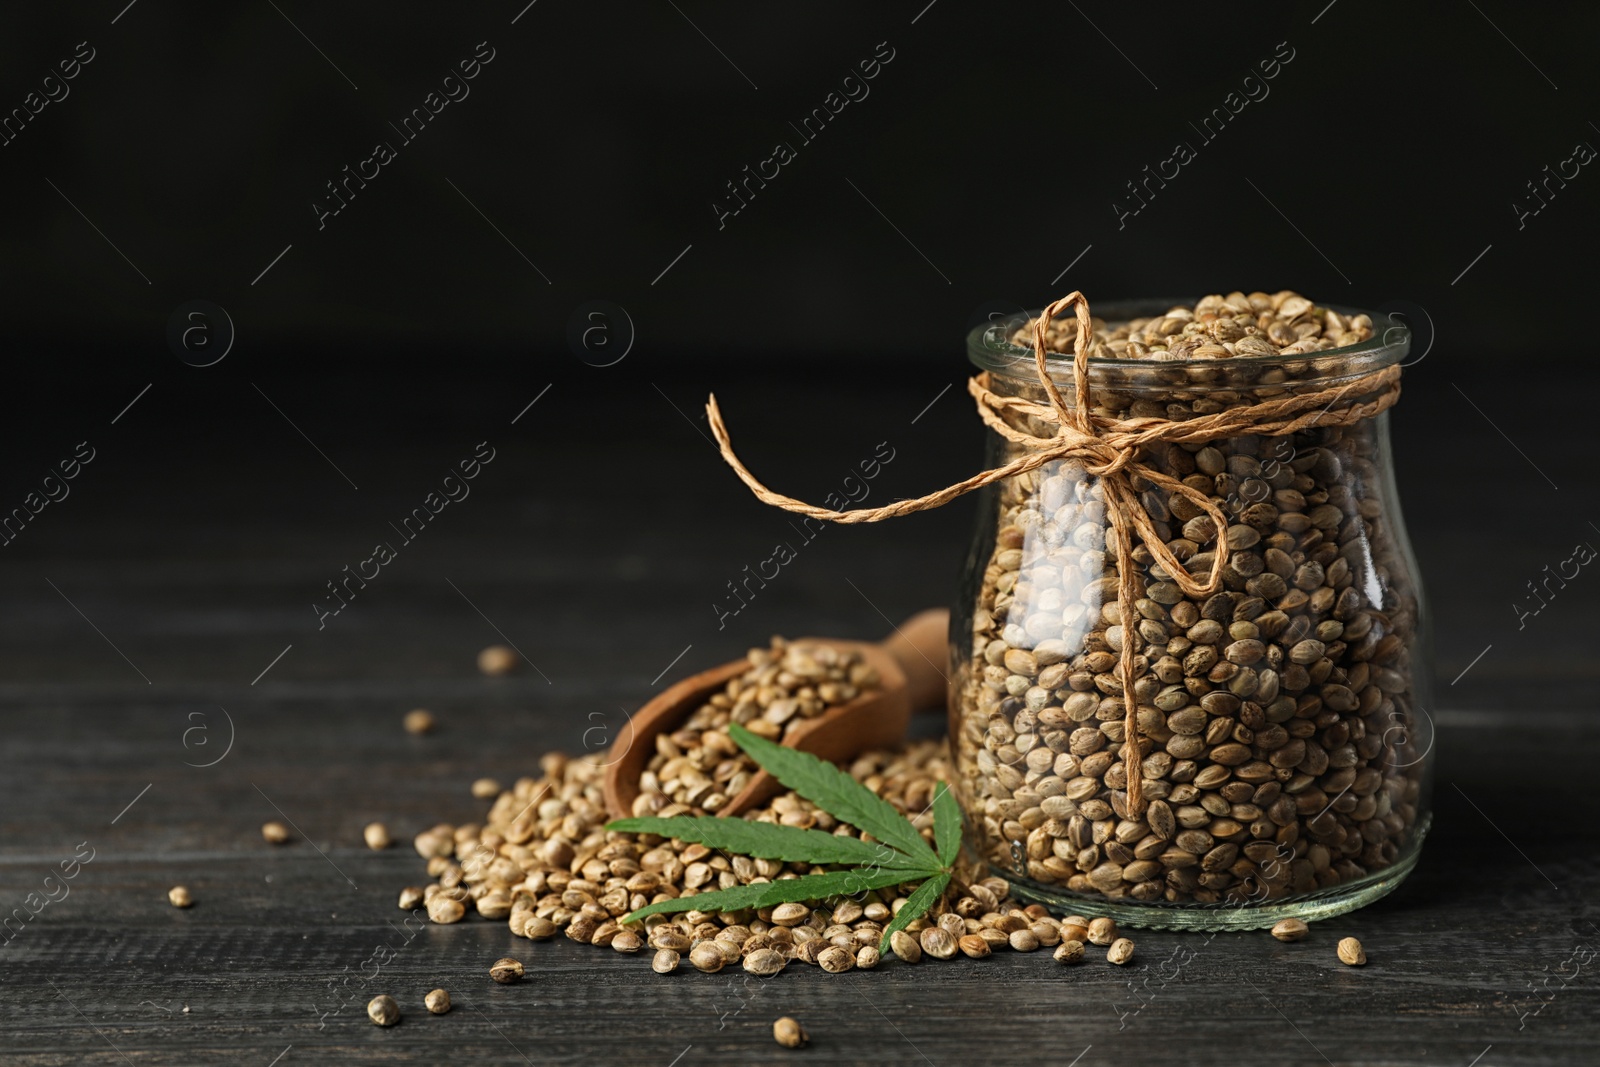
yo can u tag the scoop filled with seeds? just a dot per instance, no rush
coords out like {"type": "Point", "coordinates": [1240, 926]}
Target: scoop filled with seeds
{"type": "Point", "coordinates": [697, 768]}
{"type": "Point", "coordinates": [831, 698]}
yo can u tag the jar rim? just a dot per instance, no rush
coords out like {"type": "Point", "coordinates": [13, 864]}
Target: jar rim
{"type": "Point", "coordinates": [989, 347]}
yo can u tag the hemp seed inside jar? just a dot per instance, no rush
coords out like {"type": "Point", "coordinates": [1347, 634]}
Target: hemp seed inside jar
{"type": "Point", "coordinates": [1281, 732]}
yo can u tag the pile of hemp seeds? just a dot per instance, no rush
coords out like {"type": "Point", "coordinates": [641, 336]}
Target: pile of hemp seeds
{"type": "Point", "coordinates": [543, 861]}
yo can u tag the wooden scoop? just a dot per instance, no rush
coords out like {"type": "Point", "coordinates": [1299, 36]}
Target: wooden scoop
{"type": "Point", "coordinates": [910, 665]}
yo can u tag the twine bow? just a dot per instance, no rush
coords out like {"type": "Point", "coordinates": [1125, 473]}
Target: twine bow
{"type": "Point", "coordinates": [1109, 449]}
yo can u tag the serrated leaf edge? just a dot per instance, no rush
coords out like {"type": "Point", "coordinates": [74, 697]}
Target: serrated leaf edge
{"type": "Point", "coordinates": [851, 792]}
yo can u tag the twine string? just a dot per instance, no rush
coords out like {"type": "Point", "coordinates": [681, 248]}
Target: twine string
{"type": "Point", "coordinates": [1108, 448]}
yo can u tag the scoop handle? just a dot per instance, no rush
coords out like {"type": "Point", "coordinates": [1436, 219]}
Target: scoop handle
{"type": "Point", "coordinates": [920, 645]}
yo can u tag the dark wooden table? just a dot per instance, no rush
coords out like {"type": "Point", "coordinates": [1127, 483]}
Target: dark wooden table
{"type": "Point", "coordinates": [162, 614]}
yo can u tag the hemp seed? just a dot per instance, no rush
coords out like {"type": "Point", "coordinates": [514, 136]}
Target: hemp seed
{"type": "Point", "coordinates": [765, 962]}
{"type": "Point", "coordinates": [1120, 952]}
{"type": "Point", "coordinates": [438, 1001]}
{"type": "Point", "coordinates": [938, 943]}
{"type": "Point", "coordinates": [1102, 931]}
{"type": "Point", "coordinates": [382, 1010]}
{"type": "Point", "coordinates": [789, 1033]}
{"type": "Point", "coordinates": [541, 861]}
{"type": "Point", "coordinates": [377, 836]}
{"type": "Point", "coordinates": [905, 947]}
{"type": "Point", "coordinates": [274, 832]}
{"type": "Point", "coordinates": [1280, 710]}
{"type": "Point", "coordinates": [1069, 952]}
{"type": "Point", "coordinates": [420, 722]}
{"type": "Point", "coordinates": [837, 960]}
{"type": "Point", "coordinates": [1351, 953]}
{"type": "Point", "coordinates": [667, 937]}
{"type": "Point", "coordinates": [707, 957]}
{"type": "Point", "coordinates": [445, 910]}
{"type": "Point", "coordinates": [506, 970]}
{"type": "Point", "coordinates": [1290, 930]}
{"type": "Point", "coordinates": [497, 660]}
{"type": "Point", "coordinates": [1024, 940]}
{"type": "Point", "coordinates": [973, 945]}
{"type": "Point", "coordinates": [432, 845]}
{"type": "Point", "coordinates": [786, 686]}
{"type": "Point", "coordinates": [178, 896]}
{"type": "Point", "coordinates": [485, 788]}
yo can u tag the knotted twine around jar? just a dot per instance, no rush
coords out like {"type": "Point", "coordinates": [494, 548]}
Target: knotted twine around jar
{"type": "Point", "coordinates": [1108, 448]}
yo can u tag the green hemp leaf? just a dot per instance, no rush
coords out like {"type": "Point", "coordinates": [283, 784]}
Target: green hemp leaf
{"type": "Point", "coordinates": [896, 856]}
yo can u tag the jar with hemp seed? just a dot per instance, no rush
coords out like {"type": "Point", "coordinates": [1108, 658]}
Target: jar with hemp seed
{"type": "Point", "coordinates": [1229, 543]}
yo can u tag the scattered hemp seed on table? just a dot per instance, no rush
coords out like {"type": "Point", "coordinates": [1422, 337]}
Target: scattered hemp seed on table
{"type": "Point", "coordinates": [789, 1033]}
{"type": "Point", "coordinates": [1069, 952]}
{"type": "Point", "coordinates": [383, 1010]}
{"type": "Point", "coordinates": [1351, 953]}
{"type": "Point", "coordinates": [506, 970]}
{"type": "Point", "coordinates": [497, 660]}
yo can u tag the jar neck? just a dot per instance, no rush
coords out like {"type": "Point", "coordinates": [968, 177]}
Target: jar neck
{"type": "Point", "coordinates": [1013, 370]}
{"type": "Point", "coordinates": [1180, 393]}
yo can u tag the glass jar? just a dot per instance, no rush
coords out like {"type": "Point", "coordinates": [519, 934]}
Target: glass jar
{"type": "Point", "coordinates": [1286, 746]}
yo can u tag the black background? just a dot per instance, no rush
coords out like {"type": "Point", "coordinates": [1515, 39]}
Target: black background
{"type": "Point", "coordinates": [1385, 159]}
{"type": "Point", "coordinates": [597, 139]}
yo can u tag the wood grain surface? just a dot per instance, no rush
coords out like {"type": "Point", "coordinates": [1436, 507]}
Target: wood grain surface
{"type": "Point", "coordinates": [161, 620]}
